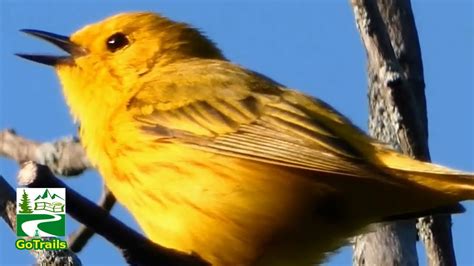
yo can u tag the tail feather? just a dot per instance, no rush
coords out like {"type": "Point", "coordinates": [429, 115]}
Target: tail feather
{"type": "Point", "coordinates": [458, 184]}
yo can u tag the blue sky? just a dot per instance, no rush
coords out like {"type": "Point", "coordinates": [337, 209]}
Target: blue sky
{"type": "Point", "coordinates": [309, 45]}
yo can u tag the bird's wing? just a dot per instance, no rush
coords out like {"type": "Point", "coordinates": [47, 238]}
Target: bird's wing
{"type": "Point", "coordinates": [255, 120]}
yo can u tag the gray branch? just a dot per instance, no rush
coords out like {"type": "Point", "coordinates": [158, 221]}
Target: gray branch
{"type": "Point", "coordinates": [79, 238]}
{"type": "Point", "coordinates": [398, 116]}
{"type": "Point", "coordinates": [65, 157]}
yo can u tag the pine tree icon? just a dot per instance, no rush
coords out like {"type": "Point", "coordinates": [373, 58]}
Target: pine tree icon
{"type": "Point", "coordinates": [25, 203]}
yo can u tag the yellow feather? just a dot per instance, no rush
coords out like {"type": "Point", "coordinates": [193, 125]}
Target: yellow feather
{"type": "Point", "coordinates": [212, 158]}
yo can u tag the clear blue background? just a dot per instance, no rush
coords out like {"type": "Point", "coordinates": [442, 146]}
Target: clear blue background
{"type": "Point", "coordinates": [310, 45]}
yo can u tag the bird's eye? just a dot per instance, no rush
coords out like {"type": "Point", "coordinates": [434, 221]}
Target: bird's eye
{"type": "Point", "coordinates": [116, 42]}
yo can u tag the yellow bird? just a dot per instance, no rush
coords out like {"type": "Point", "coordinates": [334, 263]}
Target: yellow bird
{"type": "Point", "coordinates": [212, 158]}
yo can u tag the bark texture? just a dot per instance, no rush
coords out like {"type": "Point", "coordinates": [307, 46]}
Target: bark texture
{"type": "Point", "coordinates": [398, 116]}
{"type": "Point", "coordinates": [64, 157]}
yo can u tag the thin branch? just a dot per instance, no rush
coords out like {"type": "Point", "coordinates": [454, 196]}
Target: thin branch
{"type": "Point", "coordinates": [65, 157]}
{"type": "Point", "coordinates": [398, 106]}
{"type": "Point", "coordinates": [79, 238]}
{"type": "Point", "coordinates": [393, 243]}
{"type": "Point", "coordinates": [136, 248]}
{"type": "Point", "coordinates": [7, 203]}
{"type": "Point", "coordinates": [435, 231]}
{"type": "Point", "coordinates": [43, 257]}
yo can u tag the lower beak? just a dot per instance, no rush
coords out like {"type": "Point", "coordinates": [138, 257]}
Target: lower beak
{"type": "Point", "coordinates": [60, 41]}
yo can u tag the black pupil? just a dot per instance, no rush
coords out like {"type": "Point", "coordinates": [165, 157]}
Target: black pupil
{"type": "Point", "coordinates": [116, 42]}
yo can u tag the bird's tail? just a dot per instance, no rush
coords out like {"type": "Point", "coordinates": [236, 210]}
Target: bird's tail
{"type": "Point", "coordinates": [452, 183]}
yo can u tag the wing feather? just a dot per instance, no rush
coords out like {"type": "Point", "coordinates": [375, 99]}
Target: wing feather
{"type": "Point", "coordinates": [253, 118]}
{"type": "Point", "coordinates": [279, 134]}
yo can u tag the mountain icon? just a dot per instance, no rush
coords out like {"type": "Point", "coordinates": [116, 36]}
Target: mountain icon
{"type": "Point", "coordinates": [46, 194]}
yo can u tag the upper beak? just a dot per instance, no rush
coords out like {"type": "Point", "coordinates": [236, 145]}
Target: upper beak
{"type": "Point", "coordinates": [60, 41]}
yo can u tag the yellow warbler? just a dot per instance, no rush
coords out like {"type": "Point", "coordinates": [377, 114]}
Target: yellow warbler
{"type": "Point", "coordinates": [212, 158]}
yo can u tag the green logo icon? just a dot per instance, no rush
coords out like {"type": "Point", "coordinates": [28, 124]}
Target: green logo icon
{"type": "Point", "coordinates": [41, 212]}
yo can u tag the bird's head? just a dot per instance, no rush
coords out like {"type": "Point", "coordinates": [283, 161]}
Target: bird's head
{"type": "Point", "coordinates": [106, 59]}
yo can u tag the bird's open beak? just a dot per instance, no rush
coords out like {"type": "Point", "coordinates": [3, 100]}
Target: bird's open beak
{"type": "Point", "coordinates": [60, 41]}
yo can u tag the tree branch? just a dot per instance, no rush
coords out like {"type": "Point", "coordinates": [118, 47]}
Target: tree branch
{"type": "Point", "coordinates": [435, 231]}
{"type": "Point", "coordinates": [136, 248]}
{"type": "Point", "coordinates": [391, 243]}
{"type": "Point", "coordinates": [398, 116]}
{"type": "Point", "coordinates": [65, 157]}
{"type": "Point", "coordinates": [390, 121]}
{"type": "Point", "coordinates": [408, 98]}
{"type": "Point", "coordinates": [7, 203]}
{"type": "Point", "coordinates": [79, 238]}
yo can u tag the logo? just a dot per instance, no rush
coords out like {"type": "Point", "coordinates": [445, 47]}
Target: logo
{"type": "Point", "coordinates": [41, 216]}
